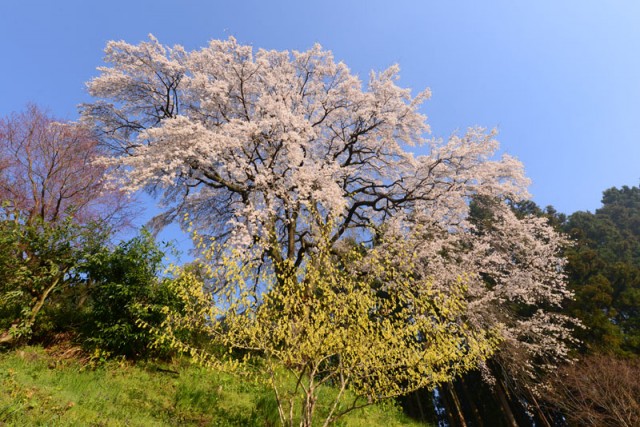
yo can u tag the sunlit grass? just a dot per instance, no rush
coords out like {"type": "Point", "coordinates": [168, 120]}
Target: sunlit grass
{"type": "Point", "coordinates": [38, 388]}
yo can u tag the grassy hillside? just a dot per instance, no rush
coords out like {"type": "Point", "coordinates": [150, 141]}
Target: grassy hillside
{"type": "Point", "coordinates": [53, 387]}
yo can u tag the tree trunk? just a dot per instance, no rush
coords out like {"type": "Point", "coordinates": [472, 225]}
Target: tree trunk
{"type": "Point", "coordinates": [454, 409]}
{"type": "Point", "coordinates": [541, 415]}
{"type": "Point", "coordinates": [307, 410]}
{"type": "Point", "coordinates": [419, 404]}
{"type": "Point", "coordinates": [7, 338]}
{"type": "Point", "coordinates": [504, 404]}
{"type": "Point", "coordinates": [36, 309]}
{"type": "Point", "coordinates": [470, 401]}
{"type": "Point", "coordinates": [447, 404]}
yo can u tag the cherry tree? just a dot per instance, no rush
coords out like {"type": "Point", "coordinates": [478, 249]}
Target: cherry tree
{"type": "Point", "coordinates": [262, 148]}
{"type": "Point", "coordinates": [514, 271]}
{"type": "Point", "coordinates": [47, 171]}
{"type": "Point", "coordinates": [250, 143]}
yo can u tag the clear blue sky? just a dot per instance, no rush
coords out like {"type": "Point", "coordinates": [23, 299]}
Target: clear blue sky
{"type": "Point", "coordinates": [560, 79]}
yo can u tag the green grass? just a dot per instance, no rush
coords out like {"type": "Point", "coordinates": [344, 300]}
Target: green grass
{"type": "Point", "coordinates": [38, 388]}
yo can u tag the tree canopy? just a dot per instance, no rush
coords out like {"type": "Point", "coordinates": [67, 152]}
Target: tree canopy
{"type": "Point", "coordinates": [604, 270]}
{"type": "Point", "coordinates": [48, 171]}
{"type": "Point", "coordinates": [250, 143]}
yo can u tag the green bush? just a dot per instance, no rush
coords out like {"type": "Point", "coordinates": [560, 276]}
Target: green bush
{"type": "Point", "coordinates": [39, 269]}
{"type": "Point", "coordinates": [124, 287]}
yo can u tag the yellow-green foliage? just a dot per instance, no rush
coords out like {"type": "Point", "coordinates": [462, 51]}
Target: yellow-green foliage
{"type": "Point", "coordinates": [371, 332]}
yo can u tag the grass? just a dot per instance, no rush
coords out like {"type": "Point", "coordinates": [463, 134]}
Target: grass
{"type": "Point", "coordinates": [45, 387]}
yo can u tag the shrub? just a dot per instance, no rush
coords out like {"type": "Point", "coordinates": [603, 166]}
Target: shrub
{"type": "Point", "coordinates": [125, 287]}
{"type": "Point", "coordinates": [39, 267]}
{"type": "Point", "coordinates": [598, 390]}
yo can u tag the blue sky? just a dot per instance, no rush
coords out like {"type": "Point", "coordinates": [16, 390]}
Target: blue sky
{"type": "Point", "coordinates": [559, 79]}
